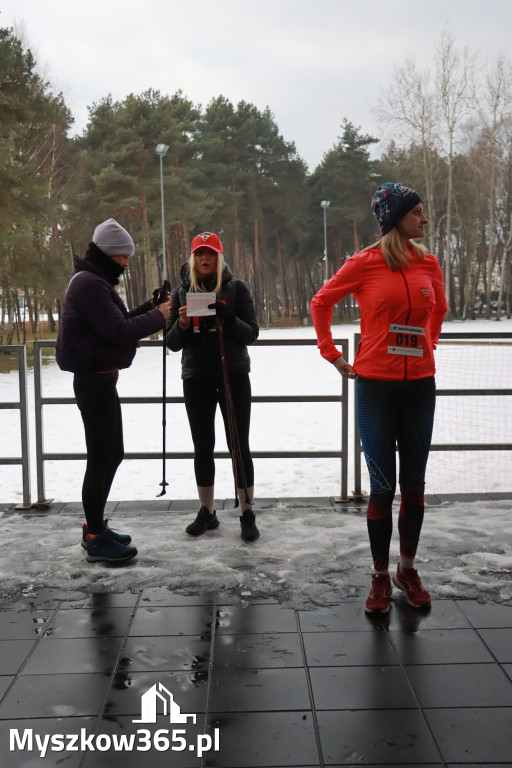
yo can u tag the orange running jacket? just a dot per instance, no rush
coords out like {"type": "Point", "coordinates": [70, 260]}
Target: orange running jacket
{"type": "Point", "coordinates": [401, 315]}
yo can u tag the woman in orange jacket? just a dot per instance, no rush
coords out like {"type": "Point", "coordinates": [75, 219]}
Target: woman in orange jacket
{"type": "Point", "coordinates": [399, 289]}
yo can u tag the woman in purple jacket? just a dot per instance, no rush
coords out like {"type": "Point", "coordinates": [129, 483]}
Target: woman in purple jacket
{"type": "Point", "coordinates": [98, 336]}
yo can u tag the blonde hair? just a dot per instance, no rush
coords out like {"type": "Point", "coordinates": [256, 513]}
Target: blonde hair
{"type": "Point", "coordinates": [395, 253]}
{"type": "Point", "coordinates": [195, 284]}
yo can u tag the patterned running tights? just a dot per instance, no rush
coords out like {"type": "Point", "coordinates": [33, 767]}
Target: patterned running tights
{"type": "Point", "coordinates": [391, 415]}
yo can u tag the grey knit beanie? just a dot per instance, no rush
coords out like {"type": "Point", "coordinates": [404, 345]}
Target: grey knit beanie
{"type": "Point", "coordinates": [113, 239]}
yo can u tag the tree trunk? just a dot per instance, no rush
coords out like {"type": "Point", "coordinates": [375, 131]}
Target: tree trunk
{"type": "Point", "coordinates": [285, 300]}
{"type": "Point", "coordinates": [506, 250]}
{"type": "Point", "coordinates": [490, 249]}
{"type": "Point", "coordinates": [51, 320]}
{"type": "Point", "coordinates": [448, 244]}
{"type": "Point", "coordinates": [357, 244]}
{"type": "Point", "coordinates": [257, 269]}
{"type": "Point", "coordinates": [429, 194]}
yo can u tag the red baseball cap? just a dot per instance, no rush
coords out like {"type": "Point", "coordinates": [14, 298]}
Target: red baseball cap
{"type": "Point", "coordinates": [208, 240]}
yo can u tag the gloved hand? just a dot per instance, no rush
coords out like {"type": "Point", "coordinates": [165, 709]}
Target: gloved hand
{"type": "Point", "coordinates": [222, 311]}
{"type": "Point", "coordinates": [161, 294]}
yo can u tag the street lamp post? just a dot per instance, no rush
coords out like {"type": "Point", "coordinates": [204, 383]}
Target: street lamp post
{"type": "Point", "coordinates": [325, 204]}
{"type": "Point", "coordinates": [161, 150]}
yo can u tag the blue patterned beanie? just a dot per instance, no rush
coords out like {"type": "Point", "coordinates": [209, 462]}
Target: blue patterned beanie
{"type": "Point", "coordinates": [391, 202]}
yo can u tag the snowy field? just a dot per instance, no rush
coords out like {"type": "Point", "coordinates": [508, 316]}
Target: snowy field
{"type": "Point", "coordinates": [280, 427]}
{"type": "Point", "coordinates": [306, 554]}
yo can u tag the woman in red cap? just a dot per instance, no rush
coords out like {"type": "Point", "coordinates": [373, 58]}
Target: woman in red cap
{"type": "Point", "coordinates": [399, 289]}
{"type": "Point", "coordinates": [202, 373]}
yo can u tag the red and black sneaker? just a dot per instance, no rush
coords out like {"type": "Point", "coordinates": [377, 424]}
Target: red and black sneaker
{"type": "Point", "coordinates": [378, 599]}
{"type": "Point", "coordinates": [409, 581]}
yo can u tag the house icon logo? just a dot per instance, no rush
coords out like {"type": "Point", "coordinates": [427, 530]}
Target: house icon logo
{"type": "Point", "coordinates": [158, 693]}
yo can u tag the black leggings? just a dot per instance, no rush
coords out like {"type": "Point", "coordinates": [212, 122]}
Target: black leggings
{"type": "Point", "coordinates": [98, 401]}
{"type": "Point", "coordinates": [201, 398]}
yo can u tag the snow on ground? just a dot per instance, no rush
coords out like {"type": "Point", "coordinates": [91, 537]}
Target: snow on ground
{"type": "Point", "coordinates": [306, 553]}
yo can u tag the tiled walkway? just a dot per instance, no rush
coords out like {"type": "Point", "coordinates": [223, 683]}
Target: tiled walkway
{"type": "Point", "coordinates": [269, 685]}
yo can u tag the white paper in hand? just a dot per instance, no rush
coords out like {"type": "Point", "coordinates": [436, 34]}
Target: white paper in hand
{"type": "Point", "coordinates": [197, 304]}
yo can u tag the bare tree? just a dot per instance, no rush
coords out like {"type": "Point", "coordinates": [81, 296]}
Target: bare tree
{"type": "Point", "coordinates": [454, 85]}
{"type": "Point", "coordinates": [495, 111]}
{"type": "Point", "coordinates": [409, 102]}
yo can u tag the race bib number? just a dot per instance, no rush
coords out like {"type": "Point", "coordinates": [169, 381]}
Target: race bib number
{"type": "Point", "coordinates": [406, 340]}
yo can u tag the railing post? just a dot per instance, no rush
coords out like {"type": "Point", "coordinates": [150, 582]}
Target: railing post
{"type": "Point", "coordinates": [20, 405]}
{"type": "Point", "coordinates": [25, 443]}
{"type": "Point", "coordinates": [357, 492]}
{"type": "Point", "coordinates": [344, 429]}
{"type": "Point", "coordinates": [41, 500]}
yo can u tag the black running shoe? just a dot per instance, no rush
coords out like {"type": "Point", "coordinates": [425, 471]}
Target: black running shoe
{"type": "Point", "coordinates": [248, 523]}
{"type": "Point", "coordinates": [203, 522]}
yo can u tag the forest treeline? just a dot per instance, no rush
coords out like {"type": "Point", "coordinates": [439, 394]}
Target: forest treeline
{"type": "Point", "coordinates": [446, 131]}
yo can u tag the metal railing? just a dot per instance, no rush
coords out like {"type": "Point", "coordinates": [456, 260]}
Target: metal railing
{"type": "Point", "coordinates": [40, 401]}
{"type": "Point", "coordinates": [20, 405]}
{"type": "Point", "coordinates": [441, 393]}
{"type": "Point", "coordinates": [342, 455]}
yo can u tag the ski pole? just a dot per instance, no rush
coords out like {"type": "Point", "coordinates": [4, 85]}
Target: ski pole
{"type": "Point", "coordinates": [236, 453]}
{"type": "Point", "coordinates": [161, 297]}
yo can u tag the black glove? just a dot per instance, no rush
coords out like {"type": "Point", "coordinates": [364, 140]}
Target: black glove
{"type": "Point", "coordinates": [161, 294]}
{"type": "Point", "coordinates": [222, 311]}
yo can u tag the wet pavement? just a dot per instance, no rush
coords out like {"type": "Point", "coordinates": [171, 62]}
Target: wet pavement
{"type": "Point", "coordinates": [155, 678]}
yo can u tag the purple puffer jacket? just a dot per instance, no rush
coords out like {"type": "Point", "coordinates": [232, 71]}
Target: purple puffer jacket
{"type": "Point", "coordinates": [96, 330]}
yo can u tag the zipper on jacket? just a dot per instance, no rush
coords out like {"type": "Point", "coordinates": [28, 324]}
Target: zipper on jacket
{"type": "Point", "coordinates": [408, 316]}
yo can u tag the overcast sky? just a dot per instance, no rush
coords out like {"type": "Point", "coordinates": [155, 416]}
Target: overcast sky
{"type": "Point", "coordinates": [312, 62]}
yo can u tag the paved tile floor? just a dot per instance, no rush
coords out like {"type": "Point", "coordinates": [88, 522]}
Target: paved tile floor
{"type": "Point", "coordinates": [262, 684]}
